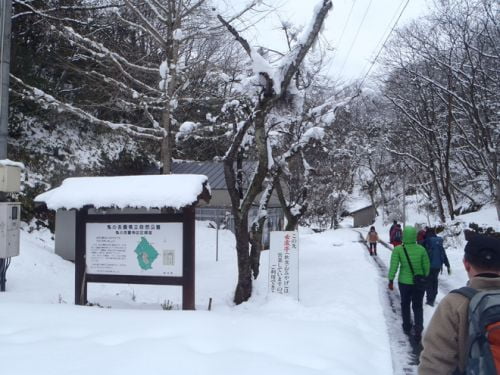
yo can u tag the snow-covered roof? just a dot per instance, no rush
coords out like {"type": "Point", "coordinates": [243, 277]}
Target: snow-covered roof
{"type": "Point", "coordinates": [357, 203]}
{"type": "Point", "coordinates": [361, 209]}
{"type": "Point", "coordinates": [148, 191]}
{"type": "Point", "coordinates": [10, 163]}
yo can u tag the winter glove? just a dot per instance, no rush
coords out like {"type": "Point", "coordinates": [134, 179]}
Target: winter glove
{"type": "Point", "coordinates": [391, 285]}
{"type": "Point", "coordinates": [449, 271]}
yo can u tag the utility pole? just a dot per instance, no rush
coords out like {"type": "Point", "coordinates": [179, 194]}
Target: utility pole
{"type": "Point", "coordinates": [5, 31]}
{"type": "Point", "coordinates": [9, 211]}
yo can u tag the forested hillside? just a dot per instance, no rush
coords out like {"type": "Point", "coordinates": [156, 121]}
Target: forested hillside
{"type": "Point", "coordinates": [120, 86]}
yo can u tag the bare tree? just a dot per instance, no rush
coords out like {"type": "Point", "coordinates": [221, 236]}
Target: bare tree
{"type": "Point", "coordinates": [444, 87]}
{"type": "Point", "coordinates": [273, 88]}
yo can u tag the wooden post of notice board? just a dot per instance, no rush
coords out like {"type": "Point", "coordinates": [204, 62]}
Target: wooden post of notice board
{"type": "Point", "coordinates": [188, 288]}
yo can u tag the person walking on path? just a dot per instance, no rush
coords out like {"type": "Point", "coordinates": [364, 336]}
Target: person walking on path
{"type": "Point", "coordinates": [421, 235]}
{"type": "Point", "coordinates": [412, 297]}
{"type": "Point", "coordinates": [372, 239]}
{"type": "Point", "coordinates": [394, 223]}
{"type": "Point", "coordinates": [445, 341]}
{"type": "Point", "coordinates": [397, 235]}
{"type": "Point", "coordinates": [437, 256]}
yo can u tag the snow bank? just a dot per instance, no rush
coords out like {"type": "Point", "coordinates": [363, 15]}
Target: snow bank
{"type": "Point", "coordinates": [337, 320]}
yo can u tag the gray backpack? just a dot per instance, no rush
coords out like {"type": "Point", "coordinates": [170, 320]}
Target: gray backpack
{"type": "Point", "coordinates": [483, 343]}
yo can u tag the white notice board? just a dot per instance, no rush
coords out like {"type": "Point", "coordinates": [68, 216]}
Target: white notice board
{"type": "Point", "coordinates": [141, 249]}
{"type": "Point", "coordinates": [284, 264]}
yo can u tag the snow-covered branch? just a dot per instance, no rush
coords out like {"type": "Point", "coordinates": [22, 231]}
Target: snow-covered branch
{"type": "Point", "coordinates": [244, 43]}
{"type": "Point", "coordinates": [291, 63]}
{"type": "Point", "coordinates": [48, 101]}
{"type": "Point", "coordinates": [44, 13]}
{"type": "Point", "coordinates": [147, 25]}
{"type": "Point", "coordinates": [99, 50]}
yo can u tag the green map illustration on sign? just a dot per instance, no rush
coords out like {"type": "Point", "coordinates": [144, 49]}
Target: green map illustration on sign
{"type": "Point", "coordinates": [146, 254]}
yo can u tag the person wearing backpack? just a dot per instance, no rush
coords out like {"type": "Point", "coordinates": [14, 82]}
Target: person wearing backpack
{"type": "Point", "coordinates": [372, 239]}
{"type": "Point", "coordinates": [397, 236]}
{"type": "Point", "coordinates": [391, 230]}
{"type": "Point", "coordinates": [437, 256]}
{"type": "Point", "coordinates": [458, 341]}
{"type": "Point", "coordinates": [412, 260]}
{"type": "Point", "coordinates": [421, 235]}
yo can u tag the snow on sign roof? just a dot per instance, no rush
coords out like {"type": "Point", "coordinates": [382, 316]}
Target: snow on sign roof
{"type": "Point", "coordinates": [148, 191]}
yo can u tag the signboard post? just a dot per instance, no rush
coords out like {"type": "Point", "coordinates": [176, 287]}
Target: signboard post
{"type": "Point", "coordinates": [284, 264]}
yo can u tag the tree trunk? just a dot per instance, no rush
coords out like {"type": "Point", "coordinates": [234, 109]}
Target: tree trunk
{"type": "Point", "coordinates": [244, 287]}
{"type": "Point", "coordinates": [292, 223]}
{"type": "Point", "coordinates": [385, 213]}
{"type": "Point", "coordinates": [166, 146]}
{"type": "Point", "coordinates": [258, 227]}
{"type": "Point", "coordinates": [449, 201]}
{"type": "Point", "coordinates": [437, 194]}
{"type": "Point", "coordinates": [447, 186]}
{"type": "Point", "coordinates": [497, 198]}
{"type": "Point", "coordinates": [256, 245]}
{"type": "Point", "coordinates": [495, 163]}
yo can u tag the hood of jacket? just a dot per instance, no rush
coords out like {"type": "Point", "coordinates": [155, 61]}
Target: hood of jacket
{"type": "Point", "coordinates": [409, 235]}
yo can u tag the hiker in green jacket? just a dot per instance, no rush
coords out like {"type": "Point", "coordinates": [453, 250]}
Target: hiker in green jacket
{"type": "Point", "coordinates": [412, 296]}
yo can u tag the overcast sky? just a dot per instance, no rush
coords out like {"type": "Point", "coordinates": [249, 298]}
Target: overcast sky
{"type": "Point", "coordinates": [373, 19]}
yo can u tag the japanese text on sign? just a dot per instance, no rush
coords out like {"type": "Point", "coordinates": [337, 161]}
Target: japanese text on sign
{"type": "Point", "coordinates": [134, 249]}
{"type": "Point", "coordinates": [284, 264]}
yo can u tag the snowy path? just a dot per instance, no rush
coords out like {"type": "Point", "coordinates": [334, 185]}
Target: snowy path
{"type": "Point", "coordinates": [405, 352]}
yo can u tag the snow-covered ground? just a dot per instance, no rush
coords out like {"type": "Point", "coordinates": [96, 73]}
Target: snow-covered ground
{"type": "Point", "coordinates": [339, 326]}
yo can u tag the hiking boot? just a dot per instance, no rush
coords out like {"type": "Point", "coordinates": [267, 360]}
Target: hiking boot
{"type": "Point", "coordinates": [375, 253]}
{"type": "Point", "coordinates": [371, 254]}
{"type": "Point", "coordinates": [430, 303]}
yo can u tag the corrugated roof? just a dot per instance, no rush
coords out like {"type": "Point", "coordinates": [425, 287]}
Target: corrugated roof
{"type": "Point", "coordinates": [213, 170]}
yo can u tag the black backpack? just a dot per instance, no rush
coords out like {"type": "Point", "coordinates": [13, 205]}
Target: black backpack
{"type": "Point", "coordinates": [398, 235]}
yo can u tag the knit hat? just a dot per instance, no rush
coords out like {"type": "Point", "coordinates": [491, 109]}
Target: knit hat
{"type": "Point", "coordinates": [483, 250]}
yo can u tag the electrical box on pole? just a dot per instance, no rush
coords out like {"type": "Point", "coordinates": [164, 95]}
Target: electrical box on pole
{"type": "Point", "coordinates": [10, 178]}
{"type": "Point", "coordinates": [10, 213]}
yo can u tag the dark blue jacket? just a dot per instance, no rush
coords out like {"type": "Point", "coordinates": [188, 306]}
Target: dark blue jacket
{"type": "Point", "coordinates": [435, 250]}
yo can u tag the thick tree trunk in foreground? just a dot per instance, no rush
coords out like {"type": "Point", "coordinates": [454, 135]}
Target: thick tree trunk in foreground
{"type": "Point", "coordinates": [244, 287]}
{"type": "Point", "coordinates": [256, 245]}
